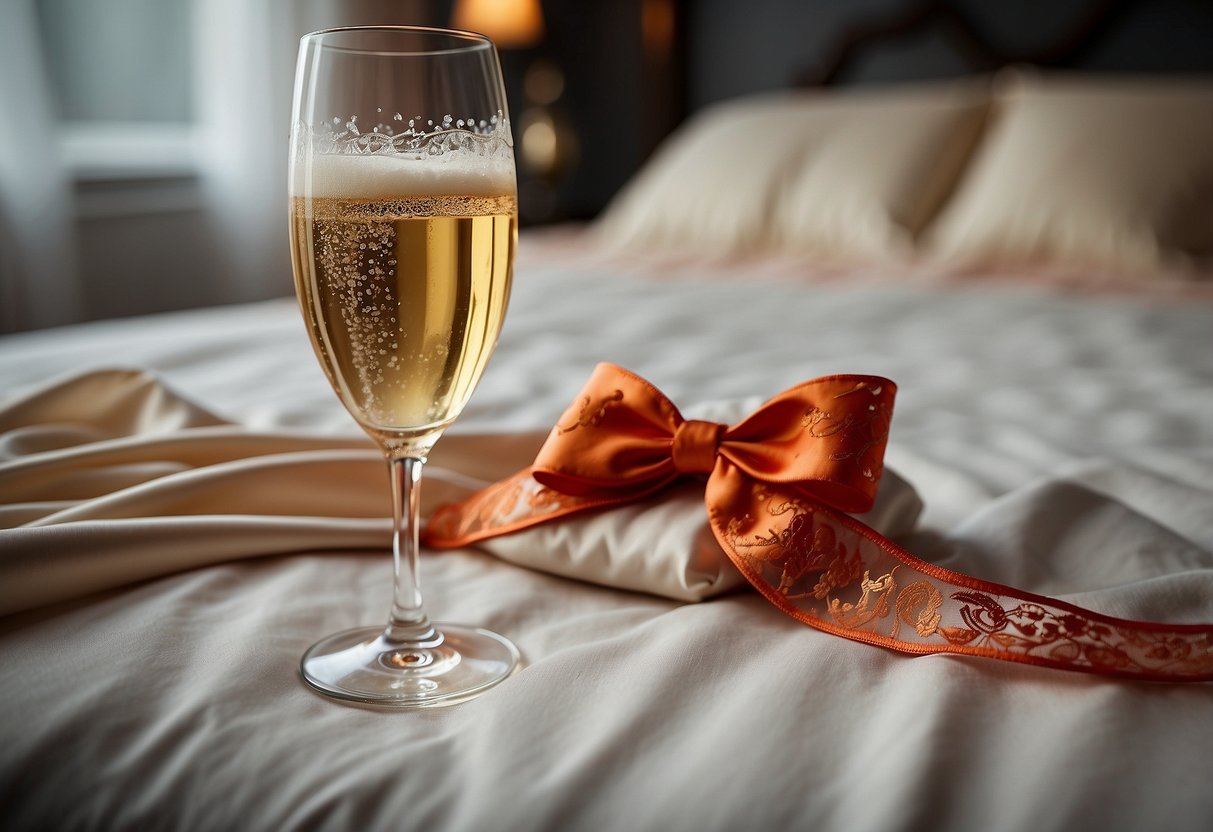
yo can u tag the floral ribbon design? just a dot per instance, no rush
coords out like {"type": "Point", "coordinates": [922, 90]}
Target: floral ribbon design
{"type": "Point", "coordinates": [778, 486]}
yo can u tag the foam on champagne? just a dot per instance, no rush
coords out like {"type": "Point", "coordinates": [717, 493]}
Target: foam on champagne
{"type": "Point", "coordinates": [392, 175]}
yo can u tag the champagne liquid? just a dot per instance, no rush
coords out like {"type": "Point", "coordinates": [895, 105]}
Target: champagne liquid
{"type": "Point", "coordinates": [404, 299]}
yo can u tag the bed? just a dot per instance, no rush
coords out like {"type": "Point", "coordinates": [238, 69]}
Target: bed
{"type": "Point", "coordinates": [187, 507]}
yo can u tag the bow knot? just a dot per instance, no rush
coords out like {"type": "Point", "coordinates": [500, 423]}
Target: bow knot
{"type": "Point", "coordinates": [622, 438]}
{"type": "Point", "coordinates": [695, 445]}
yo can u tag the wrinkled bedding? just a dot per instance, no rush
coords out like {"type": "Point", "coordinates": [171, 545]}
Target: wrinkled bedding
{"type": "Point", "coordinates": [1061, 442]}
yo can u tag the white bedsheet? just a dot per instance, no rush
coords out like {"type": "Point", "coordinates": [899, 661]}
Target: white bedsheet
{"type": "Point", "coordinates": [1062, 443]}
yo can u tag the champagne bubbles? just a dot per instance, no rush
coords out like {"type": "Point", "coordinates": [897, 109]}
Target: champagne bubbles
{"type": "Point", "coordinates": [412, 290]}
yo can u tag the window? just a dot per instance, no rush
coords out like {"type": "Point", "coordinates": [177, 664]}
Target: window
{"type": "Point", "coordinates": [121, 75]}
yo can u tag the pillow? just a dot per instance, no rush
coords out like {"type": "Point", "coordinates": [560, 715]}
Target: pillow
{"type": "Point", "coordinates": [1112, 175]}
{"type": "Point", "coordinates": [852, 176]}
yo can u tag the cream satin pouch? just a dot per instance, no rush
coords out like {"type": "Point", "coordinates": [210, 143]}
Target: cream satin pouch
{"type": "Point", "coordinates": [662, 545]}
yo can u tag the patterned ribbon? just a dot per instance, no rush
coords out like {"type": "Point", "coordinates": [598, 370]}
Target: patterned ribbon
{"type": "Point", "coordinates": [777, 484]}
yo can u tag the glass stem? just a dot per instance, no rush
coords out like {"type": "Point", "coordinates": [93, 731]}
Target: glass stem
{"type": "Point", "coordinates": [408, 624]}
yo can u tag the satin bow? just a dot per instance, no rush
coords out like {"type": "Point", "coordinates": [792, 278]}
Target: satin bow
{"type": "Point", "coordinates": [623, 439]}
{"type": "Point", "coordinates": [777, 486]}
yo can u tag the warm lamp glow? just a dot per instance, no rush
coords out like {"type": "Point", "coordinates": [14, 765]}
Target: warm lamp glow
{"type": "Point", "coordinates": [657, 27]}
{"type": "Point", "coordinates": [511, 24]}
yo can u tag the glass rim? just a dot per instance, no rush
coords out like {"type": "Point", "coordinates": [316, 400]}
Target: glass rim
{"type": "Point", "coordinates": [475, 40]}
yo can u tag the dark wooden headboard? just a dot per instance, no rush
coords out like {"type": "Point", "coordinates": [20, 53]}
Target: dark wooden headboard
{"type": "Point", "coordinates": [735, 48]}
{"type": "Point", "coordinates": [959, 29]}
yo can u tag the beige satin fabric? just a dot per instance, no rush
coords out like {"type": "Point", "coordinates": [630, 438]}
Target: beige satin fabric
{"type": "Point", "coordinates": [111, 478]}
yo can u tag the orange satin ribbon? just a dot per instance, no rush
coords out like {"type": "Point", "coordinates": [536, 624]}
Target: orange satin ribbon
{"type": "Point", "coordinates": [777, 484]}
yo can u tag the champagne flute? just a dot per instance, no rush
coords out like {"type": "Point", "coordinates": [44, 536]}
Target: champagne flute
{"type": "Point", "coordinates": [403, 228]}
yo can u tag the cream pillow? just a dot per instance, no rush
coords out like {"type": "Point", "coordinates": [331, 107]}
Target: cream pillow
{"type": "Point", "coordinates": [1113, 175]}
{"type": "Point", "coordinates": [848, 175]}
{"type": "Point", "coordinates": [876, 169]}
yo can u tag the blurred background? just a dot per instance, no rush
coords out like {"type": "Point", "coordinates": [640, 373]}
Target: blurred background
{"type": "Point", "coordinates": [143, 155]}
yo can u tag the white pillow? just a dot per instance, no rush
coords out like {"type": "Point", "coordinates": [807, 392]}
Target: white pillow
{"type": "Point", "coordinates": [1109, 175]}
{"type": "Point", "coordinates": [851, 176]}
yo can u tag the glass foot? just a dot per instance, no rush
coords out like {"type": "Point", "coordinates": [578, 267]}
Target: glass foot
{"type": "Point", "coordinates": [361, 666]}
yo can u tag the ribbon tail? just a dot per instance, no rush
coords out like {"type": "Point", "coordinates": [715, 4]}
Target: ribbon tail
{"type": "Point", "coordinates": [832, 572]}
{"type": "Point", "coordinates": [510, 505]}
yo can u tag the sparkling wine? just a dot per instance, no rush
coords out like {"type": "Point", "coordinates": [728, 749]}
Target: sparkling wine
{"type": "Point", "coordinates": [404, 289]}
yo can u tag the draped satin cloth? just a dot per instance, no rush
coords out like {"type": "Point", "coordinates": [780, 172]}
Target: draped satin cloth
{"type": "Point", "coordinates": [111, 477]}
{"type": "Point", "coordinates": [777, 486]}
